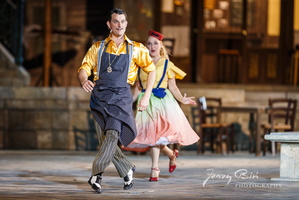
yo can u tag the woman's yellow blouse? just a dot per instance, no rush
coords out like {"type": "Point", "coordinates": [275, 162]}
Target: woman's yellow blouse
{"type": "Point", "coordinates": [172, 72]}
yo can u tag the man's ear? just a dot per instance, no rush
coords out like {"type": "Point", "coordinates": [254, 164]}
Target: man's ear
{"type": "Point", "coordinates": [108, 24]}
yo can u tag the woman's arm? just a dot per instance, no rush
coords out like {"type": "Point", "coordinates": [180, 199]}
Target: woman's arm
{"type": "Point", "coordinates": [173, 88]}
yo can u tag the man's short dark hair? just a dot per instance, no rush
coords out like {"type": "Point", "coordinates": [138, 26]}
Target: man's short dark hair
{"type": "Point", "coordinates": [117, 11]}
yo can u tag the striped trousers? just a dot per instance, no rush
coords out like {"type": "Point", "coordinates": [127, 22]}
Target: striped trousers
{"type": "Point", "coordinates": [109, 151]}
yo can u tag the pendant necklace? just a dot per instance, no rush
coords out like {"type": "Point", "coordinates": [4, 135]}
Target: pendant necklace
{"type": "Point", "coordinates": [109, 68]}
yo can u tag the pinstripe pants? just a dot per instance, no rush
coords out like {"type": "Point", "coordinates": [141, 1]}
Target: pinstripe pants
{"type": "Point", "coordinates": [109, 151]}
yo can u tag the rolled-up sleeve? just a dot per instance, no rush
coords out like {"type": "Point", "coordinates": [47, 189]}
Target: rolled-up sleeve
{"type": "Point", "coordinates": [90, 59]}
{"type": "Point", "coordinates": [143, 59]}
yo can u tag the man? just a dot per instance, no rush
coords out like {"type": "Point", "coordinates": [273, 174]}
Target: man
{"type": "Point", "coordinates": [115, 63]}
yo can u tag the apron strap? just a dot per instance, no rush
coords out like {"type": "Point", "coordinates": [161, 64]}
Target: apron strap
{"type": "Point", "coordinates": [130, 55]}
{"type": "Point", "coordinates": [101, 49]}
{"type": "Point", "coordinates": [100, 56]}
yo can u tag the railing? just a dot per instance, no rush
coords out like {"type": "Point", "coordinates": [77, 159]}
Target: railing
{"type": "Point", "coordinates": [11, 27]}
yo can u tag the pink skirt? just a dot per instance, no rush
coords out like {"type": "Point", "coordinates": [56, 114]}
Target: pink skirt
{"type": "Point", "coordinates": [162, 123]}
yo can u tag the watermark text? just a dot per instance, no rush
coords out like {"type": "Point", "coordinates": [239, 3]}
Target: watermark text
{"type": "Point", "coordinates": [239, 174]}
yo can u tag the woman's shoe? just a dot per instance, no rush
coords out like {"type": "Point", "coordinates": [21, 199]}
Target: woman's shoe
{"type": "Point", "coordinates": [173, 158]}
{"type": "Point", "coordinates": [157, 172]}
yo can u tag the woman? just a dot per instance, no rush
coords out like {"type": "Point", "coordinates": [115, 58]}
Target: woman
{"type": "Point", "coordinates": [163, 122]}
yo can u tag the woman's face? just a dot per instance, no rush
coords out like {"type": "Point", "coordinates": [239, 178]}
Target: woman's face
{"type": "Point", "coordinates": [154, 46]}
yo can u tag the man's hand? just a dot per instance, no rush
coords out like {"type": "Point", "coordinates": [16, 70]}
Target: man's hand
{"type": "Point", "coordinates": [87, 85]}
{"type": "Point", "coordinates": [143, 103]}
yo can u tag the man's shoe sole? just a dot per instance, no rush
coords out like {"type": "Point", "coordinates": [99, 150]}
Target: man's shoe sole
{"type": "Point", "coordinates": [96, 188]}
{"type": "Point", "coordinates": [127, 187]}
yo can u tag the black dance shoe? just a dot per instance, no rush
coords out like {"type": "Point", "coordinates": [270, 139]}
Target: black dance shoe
{"type": "Point", "coordinates": [95, 183]}
{"type": "Point", "coordinates": [128, 179]}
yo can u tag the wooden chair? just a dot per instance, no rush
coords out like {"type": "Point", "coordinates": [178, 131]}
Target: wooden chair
{"type": "Point", "coordinates": [228, 65]}
{"type": "Point", "coordinates": [211, 126]}
{"type": "Point", "coordinates": [169, 45]}
{"type": "Point", "coordinates": [281, 117]}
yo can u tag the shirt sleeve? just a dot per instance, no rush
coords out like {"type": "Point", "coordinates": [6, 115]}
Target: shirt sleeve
{"type": "Point", "coordinates": [175, 72]}
{"type": "Point", "coordinates": [90, 59]}
{"type": "Point", "coordinates": [142, 58]}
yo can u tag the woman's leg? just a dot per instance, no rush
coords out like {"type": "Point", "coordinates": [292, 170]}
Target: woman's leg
{"type": "Point", "coordinates": [166, 150]}
{"type": "Point", "coordinates": [155, 153]}
{"type": "Point", "coordinates": [172, 155]}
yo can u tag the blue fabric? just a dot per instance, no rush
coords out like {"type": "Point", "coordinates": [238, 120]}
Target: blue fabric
{"type": "Point", "coordinates": [158, 92]}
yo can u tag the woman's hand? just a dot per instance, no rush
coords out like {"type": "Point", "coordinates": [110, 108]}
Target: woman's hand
{"type": "Point", "coordinates": [188, 100]}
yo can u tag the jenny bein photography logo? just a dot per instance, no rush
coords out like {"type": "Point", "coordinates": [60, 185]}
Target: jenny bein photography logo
{"type": "Point", "coordinates": [239, 175]}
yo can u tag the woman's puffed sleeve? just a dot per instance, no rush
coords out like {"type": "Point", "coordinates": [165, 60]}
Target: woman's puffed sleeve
{"type": "Point", "coordinates": [175, 72]}
{"type": "Point", "coordinates": [90, 59]}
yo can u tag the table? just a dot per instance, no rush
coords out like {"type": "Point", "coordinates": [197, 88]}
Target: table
{"type": "Point", "coordinates": [256, 110]}
{"type": "Point", "coordinates": [289, 154]}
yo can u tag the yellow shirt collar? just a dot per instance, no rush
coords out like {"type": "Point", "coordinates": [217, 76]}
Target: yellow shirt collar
{"type": "Point", "coordinates": [108, 39]}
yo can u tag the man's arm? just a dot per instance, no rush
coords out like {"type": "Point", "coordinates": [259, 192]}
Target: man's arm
{"type": "Point", "coordinates": [136, 91]}
{"type": "Point", "coordinates": [147, 94]}
{"type": "Point", "coordinates": [87, 85]}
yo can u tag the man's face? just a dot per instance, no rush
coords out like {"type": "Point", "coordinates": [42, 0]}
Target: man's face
{"type": "Point", "coordinates": [118, 24]}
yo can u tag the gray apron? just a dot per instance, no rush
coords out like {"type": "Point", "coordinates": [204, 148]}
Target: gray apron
{"type": "Point", "coordinates": [111, 99]}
